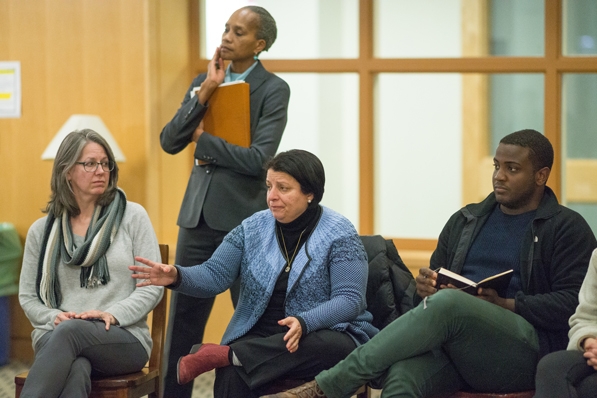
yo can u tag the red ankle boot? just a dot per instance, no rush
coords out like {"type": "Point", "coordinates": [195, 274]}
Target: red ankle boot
{"type": "Point", "coordinates": [201, 359]}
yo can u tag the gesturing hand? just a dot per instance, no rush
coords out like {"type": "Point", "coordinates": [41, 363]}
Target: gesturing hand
{"type": "Point", "coordinates": [154, 274]}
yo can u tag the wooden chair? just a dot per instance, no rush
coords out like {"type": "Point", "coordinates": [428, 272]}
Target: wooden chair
{"type": "Point", "coordinates": [134, 385]}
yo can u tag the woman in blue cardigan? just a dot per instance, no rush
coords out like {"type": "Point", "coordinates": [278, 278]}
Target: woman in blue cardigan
{"type": "Point", "coordinates": [303, 273]}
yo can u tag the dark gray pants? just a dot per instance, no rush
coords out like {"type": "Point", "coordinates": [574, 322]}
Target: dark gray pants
{"type": "Point", "coordinates": [563, 374]}
{"type": "Point", "coordinates": [66, 357]}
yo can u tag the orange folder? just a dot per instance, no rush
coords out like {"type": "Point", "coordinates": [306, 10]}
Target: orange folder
{"type": "Point", "coordinates": [228, 113]}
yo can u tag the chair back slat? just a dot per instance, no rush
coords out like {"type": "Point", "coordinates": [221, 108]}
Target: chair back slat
{"type": "Point", "coordinates": [158, 322]}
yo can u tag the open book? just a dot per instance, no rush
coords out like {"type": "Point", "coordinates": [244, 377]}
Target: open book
{"type": "Point", "coordinates": [498, 282]}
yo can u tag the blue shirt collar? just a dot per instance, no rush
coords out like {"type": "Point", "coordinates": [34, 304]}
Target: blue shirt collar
{"type": "Point", "coordinates": [231, 77]}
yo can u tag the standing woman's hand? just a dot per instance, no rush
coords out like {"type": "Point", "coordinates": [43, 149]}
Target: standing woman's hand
{"type": "Point", "coordinates": [216, 69]}
{"type": "Point", "coordinates": [215, 76]}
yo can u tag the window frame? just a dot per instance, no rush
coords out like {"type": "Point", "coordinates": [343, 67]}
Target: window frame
{"type": "Point", "coordinates": [553, 64]}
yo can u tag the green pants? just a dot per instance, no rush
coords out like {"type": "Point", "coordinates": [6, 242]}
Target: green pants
{"type": "Point", "coordinates": [452, 341]}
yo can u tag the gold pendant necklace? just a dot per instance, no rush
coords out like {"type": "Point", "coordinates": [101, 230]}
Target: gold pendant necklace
{"type": "Point", "coordinates": [290, 260]}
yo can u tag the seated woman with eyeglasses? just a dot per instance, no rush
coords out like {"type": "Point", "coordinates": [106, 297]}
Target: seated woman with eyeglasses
{"type": "Point", "coordinates": [303, 276]}
{"type": "Point", "coordinates": [88, 316]}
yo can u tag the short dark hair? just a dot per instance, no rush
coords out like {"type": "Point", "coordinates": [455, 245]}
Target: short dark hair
{"type": "Point", "coordinates": [540, 149]}
{"type": "Point", "coordinates": [267, 29]}
{"type": "Point", "coordinates": [62, 197]}
{"type": "Point", "coordinates": [304, 167]}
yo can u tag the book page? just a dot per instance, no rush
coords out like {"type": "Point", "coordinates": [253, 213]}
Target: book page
{"type": "Point", "coordinates": [456, 276]}
{"type": "Point", "coordinates": [495, 276]}
{"type": "Point", "coordinates": [231, 83]}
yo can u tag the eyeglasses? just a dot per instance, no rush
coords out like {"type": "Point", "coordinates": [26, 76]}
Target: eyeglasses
{"type": "Point", "coordinates": [91, 167]}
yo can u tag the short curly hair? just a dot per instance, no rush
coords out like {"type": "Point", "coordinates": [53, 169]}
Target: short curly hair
{"type": "Point", "coordinates": [540, 149]}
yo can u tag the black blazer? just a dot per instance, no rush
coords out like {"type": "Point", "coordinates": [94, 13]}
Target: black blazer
{"type": "Point", "coordinates": [232, 186]}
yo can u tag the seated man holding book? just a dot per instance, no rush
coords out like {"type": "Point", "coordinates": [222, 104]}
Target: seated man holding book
{"type": "Point", "coordinates": [489, 341]}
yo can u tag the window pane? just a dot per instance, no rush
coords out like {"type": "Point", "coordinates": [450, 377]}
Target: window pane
{"type": "Point", "coordinates": [437, 28]}
{"type": "Point", "coordinates": [516, 103]}
{"type": "Point", "coordinates": [580, 27]}
{"type": "Point", "coordinates": [418, 147]}
{"type": "Point", "coordinates": [323, 119]}
{"type": "Point", "coordinates": [427, 128]}
{"type": "Point", "coordinates": [517, 27]}
{"type": "Point", "coordinates": [417, 29]}
{"type": "Point", "coordinates": [315, 29]}
{"type": "Point", "coordinates": [579, 96]}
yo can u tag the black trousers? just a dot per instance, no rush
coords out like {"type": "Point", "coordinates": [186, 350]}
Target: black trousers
{"type": "Point", "coordinates": [189, 315]}
{"type": "Point", "coordinates": [266, 359]}
{"type": "Point", "coordinates": [563, 374]}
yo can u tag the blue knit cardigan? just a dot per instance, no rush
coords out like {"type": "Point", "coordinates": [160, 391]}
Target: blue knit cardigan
{"type": "Point", "coordinates": [326, 286]}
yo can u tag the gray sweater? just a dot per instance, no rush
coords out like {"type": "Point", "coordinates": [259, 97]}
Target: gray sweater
{"type": "Point", "coordinates": [119, 297]}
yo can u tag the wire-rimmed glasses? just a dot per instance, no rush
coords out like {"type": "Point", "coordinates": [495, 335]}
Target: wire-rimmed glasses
{"type": "Point", "coordinates": [91, 166]}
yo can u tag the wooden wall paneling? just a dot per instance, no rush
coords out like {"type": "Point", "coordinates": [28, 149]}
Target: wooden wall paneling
{"type": "Point", "coordinates": [113, 82]}
{"type": "Point", "coordinates": [62, 41]}
{"type": "Point", "coordinates": [7, 140]}
{"type": "Point", "coordinates": [76, 57]}
{"type": "Point", "coordinates": [170, 76]}
{"type": "Point", "coordinates": [132, 93]}
{"type": "Point", "coordinates": [581, 185]}
{"type": "Point", "coordinates": [153, 118]}
{"type": "Point", "coordinates": [553, 89]}
{"type": "Point", "coordinates": [366, 121]}
{"type": "Point", "coordinates": [476, 182]}
{"type": "Point", "coordinates": [24, 180]}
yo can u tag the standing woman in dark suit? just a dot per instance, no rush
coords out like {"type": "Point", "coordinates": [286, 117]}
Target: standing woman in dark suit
{"type": "Point", "coordinates": [227, 183]}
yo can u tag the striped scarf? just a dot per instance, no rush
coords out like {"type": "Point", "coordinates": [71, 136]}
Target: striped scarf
{"type": "Point", "coordinates": [58, 246]}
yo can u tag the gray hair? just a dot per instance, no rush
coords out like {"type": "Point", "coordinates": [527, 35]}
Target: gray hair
{"type": "Point", "coordinates": [267, 29]}
{"type": "Point", "coordinates": [62, 197]}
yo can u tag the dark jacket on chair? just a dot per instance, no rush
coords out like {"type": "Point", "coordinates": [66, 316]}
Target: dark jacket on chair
{"type": "Point", "coordinates": [390, 287]}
